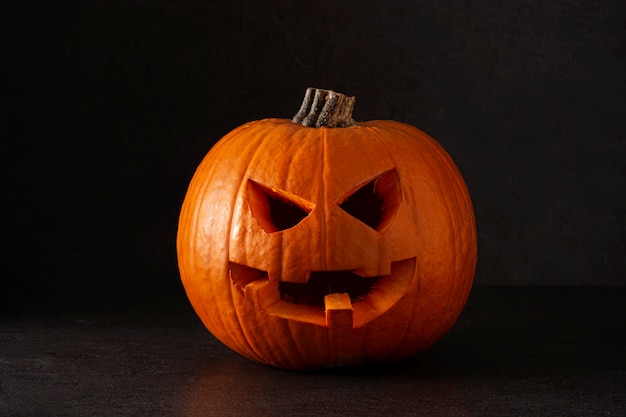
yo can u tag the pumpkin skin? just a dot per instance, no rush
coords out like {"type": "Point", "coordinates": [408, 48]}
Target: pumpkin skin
{"type": "Point", "coordinates": [334, 284]}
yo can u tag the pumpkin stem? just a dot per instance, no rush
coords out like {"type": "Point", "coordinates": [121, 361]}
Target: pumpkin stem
{"type": "Point", "coordinates": [325, 108]}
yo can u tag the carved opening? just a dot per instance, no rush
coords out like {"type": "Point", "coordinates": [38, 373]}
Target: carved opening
{"type": "Point", "coordinates": [323, 283]}
{"type": "Point", "coordinates": [242, 275]}
{"type": "Point", "coordinates": [276, 209]}
{"type": "Point", "coordinates": [376, 202]}
{"type": "Point", "coordinates": [369, 297]}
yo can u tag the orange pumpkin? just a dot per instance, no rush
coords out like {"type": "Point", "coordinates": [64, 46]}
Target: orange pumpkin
{"type": "Point", "coordinates": [320, 241]}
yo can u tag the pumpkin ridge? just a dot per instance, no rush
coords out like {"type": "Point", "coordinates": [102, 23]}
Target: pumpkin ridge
{"type": "Point", "coordinates": [439, 162]}
{"type": "Point", "coordinates": [434, 152]}
{"type": "Point", "coordinates": [243, 182]}
{"type": "Point", "coordinates": [406, 324]}
{"type": "Point", "coordinates": [292, 328]}
{"type": "Point", "coordinates": [324, 193]}
{"type": "Point", "coordinates": [390, 155]}
{"type": "Point", "coordinates": [292, 340]}
{"type": "Point", "coordinates": [272, 352]}
{"type": "Point", "coordinates": [199, 189]}
{"type": "Point", "coordinates": [458, 188]}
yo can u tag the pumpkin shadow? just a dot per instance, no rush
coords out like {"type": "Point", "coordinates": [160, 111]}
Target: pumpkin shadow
{"type": "Point", "coordinates": [506, 343]}
{"type": "Point", "coordinates": [431, 384]}
{"type": "Point", "coordinates": [243, 388]}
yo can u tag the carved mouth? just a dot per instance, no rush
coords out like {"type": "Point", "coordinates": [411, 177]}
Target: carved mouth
{"type": "Point", "coordinates": [328, 298]}
{"type": "Point", "coordinates": [323, 283]}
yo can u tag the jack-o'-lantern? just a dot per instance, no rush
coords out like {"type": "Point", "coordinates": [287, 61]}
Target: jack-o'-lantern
{"type": "Point", "coordinates": [320, 241]}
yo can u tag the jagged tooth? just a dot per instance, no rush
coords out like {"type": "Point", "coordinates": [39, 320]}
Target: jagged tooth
{"type": "Point", "coordinates": [262, 293]}
{"type": "Point", "coordinates": [338, 308]}
{"type": "Point", "coordinates": [360, 272]}
{"type": "Point", "coordinates": [307, 275]}
{"type": "Point", "coordinates": [386, 270]}
{"type": "Point", "coordinates": [367, 272]}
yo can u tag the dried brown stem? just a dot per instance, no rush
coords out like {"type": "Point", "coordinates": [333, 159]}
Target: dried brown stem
{"type": "Point", "coordinates": [325, 108]}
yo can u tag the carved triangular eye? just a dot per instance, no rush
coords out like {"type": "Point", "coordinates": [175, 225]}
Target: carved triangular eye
{"type": "Point", "coordinates": [276, 209]}
{"type": "Point", "coordinates": [375, 202]}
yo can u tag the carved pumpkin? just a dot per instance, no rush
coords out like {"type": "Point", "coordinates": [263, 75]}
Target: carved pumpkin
{"type": "Point", "coordinates": [322, 242]}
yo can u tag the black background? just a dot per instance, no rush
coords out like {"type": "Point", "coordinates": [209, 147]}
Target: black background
{"type": "Point", "coordinates": [110, 106]}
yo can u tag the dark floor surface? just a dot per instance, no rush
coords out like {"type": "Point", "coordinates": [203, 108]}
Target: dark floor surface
{"type": "Point", "coordinates": [557, 351]}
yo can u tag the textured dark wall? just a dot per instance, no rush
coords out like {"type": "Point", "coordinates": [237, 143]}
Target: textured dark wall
{"type": "Point", "coordinates": [112, 104]}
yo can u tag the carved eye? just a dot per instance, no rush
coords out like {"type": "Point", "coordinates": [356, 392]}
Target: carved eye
{"type": "Point", "coordinates": [375, 202]}
{"type": "Point", "coordinates": [276, 209]}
